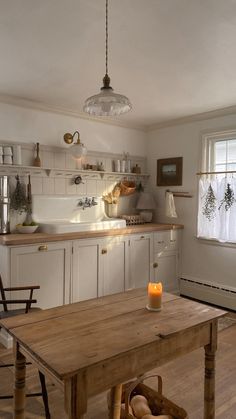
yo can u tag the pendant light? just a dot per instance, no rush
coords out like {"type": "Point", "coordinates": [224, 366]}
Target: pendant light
{"type": "Point", "coordinates": [107, 103]}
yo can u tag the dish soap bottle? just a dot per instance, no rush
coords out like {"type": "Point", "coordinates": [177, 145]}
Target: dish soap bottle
{"type": "Point", "coordinates": [37, 161]}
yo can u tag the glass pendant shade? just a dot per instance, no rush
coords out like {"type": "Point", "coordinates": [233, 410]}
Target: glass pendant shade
{"type": "Point", "coordinates": [107, 103]}
{"type": "Point", "coordinates": [78, 150]}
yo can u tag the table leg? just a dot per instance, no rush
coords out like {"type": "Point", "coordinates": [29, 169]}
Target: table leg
{"type": "Point", "coordinates": [76, 397]}
{"type": "Point", "coordinates": [209, 384]}
{"type": "Point", "coordinates": [19, 389]}
{"type": "Point", "coordinates": [115, 402]}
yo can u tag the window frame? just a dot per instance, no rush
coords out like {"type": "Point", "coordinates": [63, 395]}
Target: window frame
{"type": "Point", "coordinates": [206, 165]}
{"type": "Point", "coordinates": [208, 142]}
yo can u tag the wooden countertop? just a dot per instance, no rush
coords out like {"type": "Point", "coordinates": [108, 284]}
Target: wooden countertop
{"type": "Point", "coordinates": [23, 239]}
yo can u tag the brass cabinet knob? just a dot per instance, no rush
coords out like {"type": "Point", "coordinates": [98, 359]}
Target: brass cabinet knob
{"type": "Point", "coordinates": [104, 251]}
{"type": "Point", "coordinates": [142, 237]}
{"type": "Point", "coordinates": [160, 241]}
{"type": "Point", "coordinates": [173, 241]}
{"type": "Point", "coordinates": [43, 248]}
{"type": "Point", "coordinates": [155, 265]}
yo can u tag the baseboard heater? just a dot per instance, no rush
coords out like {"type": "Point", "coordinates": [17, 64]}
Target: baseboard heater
{"type": "Point", "coordinates": [206, 291]}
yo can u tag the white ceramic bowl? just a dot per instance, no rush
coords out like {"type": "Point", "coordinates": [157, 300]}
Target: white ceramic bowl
{"type": "Point", "coordinates": [26, 229]}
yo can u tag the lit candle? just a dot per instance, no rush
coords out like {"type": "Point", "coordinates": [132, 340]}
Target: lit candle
{"type": "Point", "coordinates": [154, 295]}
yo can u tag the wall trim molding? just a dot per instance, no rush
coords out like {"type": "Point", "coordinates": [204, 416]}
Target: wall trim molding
{"type": "Point", "coordinates": [230, 110]}
{"type": "Point", "coordinates": [41, 106]}
{"type": "Point", "coordinates": [33, 105]}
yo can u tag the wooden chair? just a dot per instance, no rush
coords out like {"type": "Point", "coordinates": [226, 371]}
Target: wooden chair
{"type": "Point", "coordinates": [14, 312]}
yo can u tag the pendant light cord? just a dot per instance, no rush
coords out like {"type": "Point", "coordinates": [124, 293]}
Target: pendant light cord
{"type": "Point", "coordinates": [106, 36]}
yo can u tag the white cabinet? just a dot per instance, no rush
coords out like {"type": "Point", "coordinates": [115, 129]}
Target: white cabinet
{"type": "Point", "coordinates": [47, 265]}
{"type": "Point", "coordinates": [140, 260]}
{"type": "Point", "coordinates": [166, 271]}
{"type": "Point", "coordinates": [89, 268]}
{"type": "Point", "coordinates": [167, 259]}
{"type": "Point", "coordinates": [166, 241]}
{"type": "Point", "coordinates": [85, 269]}
{"type": "Point", "coordinates": [99, 267]}
{"type": "Point", "coordinates": [113, 263]}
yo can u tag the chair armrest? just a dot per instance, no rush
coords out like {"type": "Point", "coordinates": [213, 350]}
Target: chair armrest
{"type": "Point", "coordinates": [29, 287]}
{"type": "Point", "coordinates": [18, 301]}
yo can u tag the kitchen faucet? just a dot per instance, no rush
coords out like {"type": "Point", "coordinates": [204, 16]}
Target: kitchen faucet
{"type": "Point", "coordinates": [87, 202]}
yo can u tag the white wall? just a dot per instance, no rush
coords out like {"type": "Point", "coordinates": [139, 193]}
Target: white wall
{"type": "Point", "coordinates": [200, 259]}
{"type": "Point", "coordinates": [31, 125]}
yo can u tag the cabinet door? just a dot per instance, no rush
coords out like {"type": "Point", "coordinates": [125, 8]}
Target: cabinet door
{"type": "Point", "coordinates": [113, 265]}
{"type": "Point", "coordinates": [47, 265]}
{"type": "Point", "coordinates": [141, 258]}
{"type": "Point", "coordinates": [85, 270]}
{"type": "Point", "coordinates": [166, 271]}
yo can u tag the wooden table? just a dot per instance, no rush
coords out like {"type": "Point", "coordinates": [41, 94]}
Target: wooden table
{"type": "Point", "coordinates": [95, 345]}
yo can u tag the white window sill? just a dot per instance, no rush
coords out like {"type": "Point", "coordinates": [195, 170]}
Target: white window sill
{"type": "Point", "coordinates": [215, 242]}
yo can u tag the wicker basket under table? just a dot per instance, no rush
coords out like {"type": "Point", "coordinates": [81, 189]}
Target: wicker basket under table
{"type": "Point", "coordinates": [158, 403]}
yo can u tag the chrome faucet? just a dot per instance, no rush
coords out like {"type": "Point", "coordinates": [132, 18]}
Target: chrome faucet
{"type": "Point", "coordinates": [87, 203]}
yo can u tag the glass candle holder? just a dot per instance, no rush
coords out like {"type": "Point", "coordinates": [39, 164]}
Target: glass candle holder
{"type": "Point", "coordinates": [154, 296]}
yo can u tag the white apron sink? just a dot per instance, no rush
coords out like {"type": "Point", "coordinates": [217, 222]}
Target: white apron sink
{"type": "Point", "coordinates": [60, 227]}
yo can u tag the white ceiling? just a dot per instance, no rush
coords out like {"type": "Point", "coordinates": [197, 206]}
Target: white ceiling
{"type": "Point", "coordinates": [172, 58]}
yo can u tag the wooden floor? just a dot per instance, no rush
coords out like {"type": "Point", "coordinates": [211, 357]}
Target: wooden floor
{"type": "Point", "coordinates": [183, 383]}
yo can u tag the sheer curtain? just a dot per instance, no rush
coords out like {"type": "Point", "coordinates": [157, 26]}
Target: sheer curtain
{"type": "Point", "coordinates": [217, 208]}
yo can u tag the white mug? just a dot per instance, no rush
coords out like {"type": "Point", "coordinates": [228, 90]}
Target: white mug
{"type": "Point", "coordinates": [117, 165]}
{"type": "Point", "coordinates": [1, 150]}
{"type": "Point", "coordinates": [7, 159]}
{"type": "Point", "coordinates": [17, 154]}
{"type": "Point", "coordinates": [7, 151]}
{"type": "Point", "coordinates": [123, 166]}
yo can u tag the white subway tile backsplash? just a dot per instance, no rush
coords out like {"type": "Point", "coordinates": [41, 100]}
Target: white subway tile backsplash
{"type": "Point", "coordinates": [60, 186]}
{"type": "Point", "coordinates": [92, 187]}
{"type": "Point", "coordinates": [70, 187]}
{"type": "Point", "coordinates": [101, 187]}
{"type": "Point", "coordinates": [81, 188]}
{"type": "Point", "coordinates": [36, 185]}
{"type": "Point", "coordinates": [48, 186]}
{"type": "Point", "coordinates": [60, 160]}
{"type": "Point", "coordinates": [27, 157]}
{"type": "Point", "coordinates": [70, 162]}
{"type": "Point", "coordinates": [110, 184]}
{"type": "Point", "coordinates": [47, 159]}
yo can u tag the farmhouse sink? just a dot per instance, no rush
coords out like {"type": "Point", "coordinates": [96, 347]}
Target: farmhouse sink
{"type": "Point", "coordinates": [58, 227]}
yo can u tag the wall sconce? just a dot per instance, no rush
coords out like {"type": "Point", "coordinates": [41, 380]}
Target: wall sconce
{"type": "Point", "coordinates": [77, 150]}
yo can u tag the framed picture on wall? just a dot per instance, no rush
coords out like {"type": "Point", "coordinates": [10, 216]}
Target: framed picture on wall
{"type": "Point", "coordinates": [169, 171]}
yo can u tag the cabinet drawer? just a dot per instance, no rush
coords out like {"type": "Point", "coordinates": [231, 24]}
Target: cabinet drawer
{"type": "Point", "coordinates": [165, 240]}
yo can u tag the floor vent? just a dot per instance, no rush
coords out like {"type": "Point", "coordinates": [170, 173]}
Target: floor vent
{"type": "Point", "coordinates": [209, 292]}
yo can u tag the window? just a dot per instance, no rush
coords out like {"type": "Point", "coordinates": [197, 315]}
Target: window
{"type": "Point", "coordinates": [217, 189]}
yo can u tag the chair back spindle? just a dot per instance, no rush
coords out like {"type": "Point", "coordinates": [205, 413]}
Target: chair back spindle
{"type": "Point", "coordinates": [3, 296]}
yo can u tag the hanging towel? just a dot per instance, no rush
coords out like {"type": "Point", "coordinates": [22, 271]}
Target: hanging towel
{"type": "Point", "coordinates": [170, 205]}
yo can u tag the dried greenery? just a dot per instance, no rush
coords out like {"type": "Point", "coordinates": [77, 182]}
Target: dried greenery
{"type": "Point", "coordinates": [112, 197]}
{"type": "Point", "coordinates": [228, 199]}
{"type": "Point", "coordinates": [209, 208]}
{"type": "Point", "coordinates": [19, 201]}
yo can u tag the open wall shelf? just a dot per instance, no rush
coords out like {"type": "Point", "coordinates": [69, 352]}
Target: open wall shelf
{"type": "Point", "coordinates": [12, 170]}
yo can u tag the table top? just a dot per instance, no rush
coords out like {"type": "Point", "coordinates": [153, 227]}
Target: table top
{"type": "Point", "coordinates": [71, 338]}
